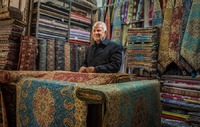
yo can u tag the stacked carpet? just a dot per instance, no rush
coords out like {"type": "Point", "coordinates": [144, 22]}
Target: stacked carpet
{"type": "Point", "coordinates": [180, 101]}
{"type": "Point", "coordinates": [52, 22]}
{"type": "Point", "coordinates": [10, 33]}
{"type": "Point", "coordinates": [142, 50]}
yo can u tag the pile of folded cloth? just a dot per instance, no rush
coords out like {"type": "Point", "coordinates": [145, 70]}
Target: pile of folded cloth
{"type": "Point", "coordinates": [142, 50]}
{"type": "Point", "coordinates": [180, 97]}
{"type": "Point", "coordinates": [10, 33]}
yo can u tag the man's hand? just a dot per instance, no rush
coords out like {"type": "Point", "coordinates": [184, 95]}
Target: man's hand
{"type": "Point", "coordinates": [82, 69]}
{"type": "Point", "coordinates": [90, 70]}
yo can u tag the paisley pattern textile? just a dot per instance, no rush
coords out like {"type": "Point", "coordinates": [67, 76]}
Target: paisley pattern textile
{"type": "Point", "coordinates": [186, 11]}
{"type": "Point", "coordinates": [27, 53]}
{"type": "Point", "coordinates": [128, 20]}
{"type": "Point", "coordinates": [48, 104]}
{"type": "Point", "coordinates": [182, 63]}
{"type": "Point", "coordinates": [87, 78]}
{"type": "Point", "coordinates": [175, 30]}
{"type": "Point", "coordinates": [50, 55]}
{"type": "Point", "coordinates": [117, 27]}
{"type": "Point", "coordinates": [157, 14]}
{"type": "Point", "coordinates": [134, 103]}
{"type": "Point", "coordinates": [163, 58]}
{"type": "Point", "coordinates": [67, 57]}
{"type": "Point", "coordinates": [190, 51]}
{"type": "Point", "coordinates": [107, 21]}
{"type": "Point", "coordinates": [8, 80]}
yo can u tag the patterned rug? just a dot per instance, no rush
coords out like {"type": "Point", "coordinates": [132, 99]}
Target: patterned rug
{"type": "Point", "coordinates": [8, 80]}
{"type": "Point", "coordinates": [134, 103]}
{"type": "Point", "coordinates": [87, 78]}
{"type": "Point", "coordinates": [49, 104]}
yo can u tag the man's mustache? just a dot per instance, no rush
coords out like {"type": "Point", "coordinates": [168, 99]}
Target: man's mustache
{"type": "Point", "coordinates": [98, 35]}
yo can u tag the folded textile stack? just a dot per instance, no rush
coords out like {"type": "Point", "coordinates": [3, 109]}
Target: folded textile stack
{"type": "Point", "coordinates": [10, 12]}
{"type": "Point", "coordinates": [142, 50]}
{"type": "Point", "coordinates": [89, 3]}
{"type": "Point", "coordinates": [180, 97]}
{"type": "Point", "coordinates": [52, 22]}
{"type": "Point", "coordinates": [79, 35]}
{"type": "Point", "coordinates": [80, 25]}
{"type": "Point", "coordinates": [10, 33]}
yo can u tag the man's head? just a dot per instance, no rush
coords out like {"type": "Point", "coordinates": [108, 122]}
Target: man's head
{"type": "Point", "coordinates": [99, 31]}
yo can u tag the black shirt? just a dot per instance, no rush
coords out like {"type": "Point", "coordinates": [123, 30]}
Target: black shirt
{"type": "Point", "coordinates": [106, 57]}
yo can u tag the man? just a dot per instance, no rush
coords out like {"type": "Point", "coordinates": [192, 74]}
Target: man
{"type": "Point", "coordinates": [103, 56]}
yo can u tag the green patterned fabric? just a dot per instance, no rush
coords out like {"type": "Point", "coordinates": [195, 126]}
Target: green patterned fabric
{"type": "Point", "coordinates": [190, 48]}
{"type": "Point", "coordinates": [117, 26]}
{"type": "Point", "coordinates": [128, 104]}
{"type": "Point", "coordinates": [43, 103]}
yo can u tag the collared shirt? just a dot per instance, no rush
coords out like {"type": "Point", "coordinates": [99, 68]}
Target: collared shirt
{"type": "Point", "coordinates": [106, 57]}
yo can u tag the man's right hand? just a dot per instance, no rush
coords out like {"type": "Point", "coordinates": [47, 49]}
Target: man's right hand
{"type": "Point", "coordinates": [82, 69]}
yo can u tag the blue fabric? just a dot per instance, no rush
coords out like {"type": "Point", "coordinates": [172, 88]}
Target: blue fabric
{"type": "Point", "coordinates": [117, 26]}
{"type": "Point", "coordinates": [130, 104]}
{"type": "Point", "coordinates": [45, 103]}
{"type": "Point", "coordinates": [190, 48]}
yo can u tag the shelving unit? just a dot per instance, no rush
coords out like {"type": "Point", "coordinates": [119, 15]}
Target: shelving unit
{"type": "Point", "coordinates": [67, 22]}
{"type": "Point", "coordinates": [50, 20]}
{"type": "Point", "coordinates": [79, 33]}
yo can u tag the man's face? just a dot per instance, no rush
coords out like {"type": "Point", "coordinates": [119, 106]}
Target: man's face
{"type": "Point", "coordinates": [98, 33]}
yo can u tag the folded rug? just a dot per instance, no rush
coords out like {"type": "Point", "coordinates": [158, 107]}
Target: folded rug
{"type": "Point", "coordinates": [135, 103]}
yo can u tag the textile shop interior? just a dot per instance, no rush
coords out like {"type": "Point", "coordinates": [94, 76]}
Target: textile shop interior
{"type": "Point", "coordinates": [43, 45]}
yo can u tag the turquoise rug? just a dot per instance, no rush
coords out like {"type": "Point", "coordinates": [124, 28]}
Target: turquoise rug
{"type": "Point", "coordinates": [128, 104]}
{"type": "Point", "coordinates": [43, 103]}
